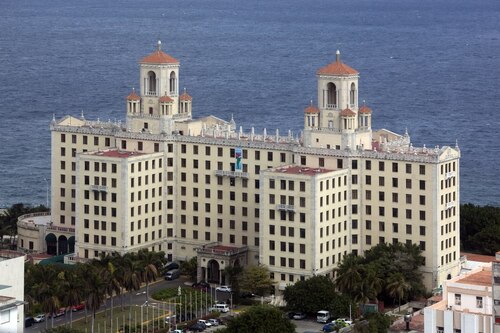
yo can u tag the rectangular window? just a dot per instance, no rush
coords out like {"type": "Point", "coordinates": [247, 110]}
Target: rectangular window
{"type": "Point", "coordinates": [458, 299]}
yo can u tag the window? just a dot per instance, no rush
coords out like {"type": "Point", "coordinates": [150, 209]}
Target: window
{"type": "Point", "coordinates": [458, 299]}
{"type": "Point", "coordinates": [479, 302]}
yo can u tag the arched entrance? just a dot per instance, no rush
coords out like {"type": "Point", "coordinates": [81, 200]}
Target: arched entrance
{"type": "Point", "coordinates": [213, 271]}
{"type": "Point", "coordinates": [51, 241]}
{"type": "Point", "coordinates": [71, 244]}
{"type": "Point", "coordinates": [62, 245]}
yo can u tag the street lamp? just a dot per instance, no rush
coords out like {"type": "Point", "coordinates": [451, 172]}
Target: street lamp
{"type": "Point", "coordinates": [48, 188]}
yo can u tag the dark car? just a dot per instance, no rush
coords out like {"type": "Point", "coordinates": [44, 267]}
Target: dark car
{"type": "Point", "coordinates": [246, 294]}
{"type": "Point", "coordinates": [201, 285]}
{"type": "Point", "coordinates": [197, 328]}
{"type": "Point", "coordinates": [28, 321]}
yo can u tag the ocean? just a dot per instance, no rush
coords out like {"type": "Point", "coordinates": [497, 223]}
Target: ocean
{"type": "Point", "coordinates": [429, 66]}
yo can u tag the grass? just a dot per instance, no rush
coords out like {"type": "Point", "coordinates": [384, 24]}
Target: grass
{"type": "Point", "coordinates": [152, 315]}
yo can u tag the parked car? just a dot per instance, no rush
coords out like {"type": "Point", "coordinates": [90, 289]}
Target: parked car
{"type": "Point", "coordinates": [28, 321]}
{"type": "Point", "coordinates": [202, 285]}
{"type": "Point", "coordinates": [78, 307]}
{"type": "Point", "coordinates": [59, 313]}
{"type": "Point", "coordinates": [299, 315]}
{"type": "Point", "coordinates": [246, 294]}
{"type": "Point", "coordinates": [225, 289]}
{"type": "Point", "coordinates": [39, 318]}
{"type": "Point", "coordinates": [205, 322]}
{"type": "Point", "coordinates": [214, 321]}
{"type": "Point", "coordinates": [197, 327]}
{"type": "Point", "coordinates": [342, 322]}
{"type": "Point", "coordinates": [330, 327]}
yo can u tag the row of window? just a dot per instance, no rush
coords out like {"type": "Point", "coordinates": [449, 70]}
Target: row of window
{"type": "Point", "coordinates": [394, 197]}
{"type": "Point", "coordinates": [85, 139]}
{"type": "Point", "coordinates": [220, 223]}
{"type": "Point", "coordinates": [231, 239]}
{"type": "Point", "coordinates": [395, 166]}
{"type": "Point", "coordinates": [395, 182]}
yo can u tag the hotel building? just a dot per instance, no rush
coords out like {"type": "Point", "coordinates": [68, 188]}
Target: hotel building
{"type": "Point", "coordinates": [163, 180]}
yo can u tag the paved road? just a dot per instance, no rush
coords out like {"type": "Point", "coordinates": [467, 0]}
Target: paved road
{"type": "Point", "coordinates": [138, 298]}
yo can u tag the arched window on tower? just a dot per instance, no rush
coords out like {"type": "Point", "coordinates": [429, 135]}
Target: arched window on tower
{"type": "Point", "coordinates": [173, 83]}
{"type": "Point", "coordinates": [352, 95]}
{"type": "Point", "coordinates": [151, 83]}
{"type": "Point", "coordinates": [331, 96]}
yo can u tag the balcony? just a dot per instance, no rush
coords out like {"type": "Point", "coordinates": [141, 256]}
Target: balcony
{"type": "Point", "coordinates": [450, 205]}
{"type": "Point", "coordinates": [234, 174]}
{"type": "Point", "coordinates": [99, 188]}
{"type": "Point", "coordinates": [150, 93]}
{"type": "Point", "coordinates": [287, 208]}
{"type": "Point", "coordinates": [450, 174]}
{"type": "Point", "coordinates": [331, 106]}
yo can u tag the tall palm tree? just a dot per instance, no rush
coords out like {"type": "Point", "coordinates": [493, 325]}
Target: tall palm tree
{"type": "Point", "coordinates": [72, 295]}
{"type": "Point", "coordinates": [148, 261]}
{"type": "Point", "coordinates": [349, 275]}
{"type": "Point", "coordinates": [397, 286]}
{"type": "Point", "coordinates": [96, 289]}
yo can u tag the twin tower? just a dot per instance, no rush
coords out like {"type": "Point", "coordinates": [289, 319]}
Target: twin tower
{"type": "Point", "coordinates": [337, 122]}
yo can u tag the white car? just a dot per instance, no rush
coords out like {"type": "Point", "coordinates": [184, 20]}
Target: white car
{"type": "Point", "coordinates": [345, 321]}
{"type": "Point", "coordinates": [225, 289]}
{"type": "Point", "coordinates": [39, 318]}
{"type": "Point", "coordinates": [206, 322]}
{"type": "Point", "coordinates": [214, 322]}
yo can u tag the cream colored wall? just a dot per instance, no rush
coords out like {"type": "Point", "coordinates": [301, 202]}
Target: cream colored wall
{"type": "Point", "coordinates": [151, 184]}
{"type": "Point", "coordinates": [58, 188]}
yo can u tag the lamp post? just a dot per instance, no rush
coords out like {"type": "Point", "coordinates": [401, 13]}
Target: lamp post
{"type": "Point", "coordinates": [48, 188]}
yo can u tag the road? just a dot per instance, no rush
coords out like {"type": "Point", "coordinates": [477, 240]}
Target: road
{"type": "Point", "coordinates": [138, 298]}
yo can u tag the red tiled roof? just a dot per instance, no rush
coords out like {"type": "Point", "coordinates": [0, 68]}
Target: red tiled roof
{"type": "Point", "coordinates": [159, 57]}
{"type": "Point", "coordinates": [165, 99]}
{"type": "Point", "coordinates": [481, 278]}
{"type": "Point", "coordinates": [347, 113]}
{"type": "Point", "coordinates": [185, 97]}
{"type": "Point", "coordinates": [337, 68]}
{"type": "Point", "coordinates": [117, 153]}
{"type": "Point", "coordinates": [365, 109]}
{"type": "Point", "coordinates": [301, 170]}
{"type": "Point", "coordinates": [478, 257]}
{"type": "Point", "coordinates": [311, 109]}
{"type": "Point", "coordinates": [133, 96]}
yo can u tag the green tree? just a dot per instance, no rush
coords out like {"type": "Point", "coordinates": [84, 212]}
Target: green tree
{"type": "Point", "coordinates": [95, 288]}
{"type": "Point", "coordinates": [314, 294]}
{"type": "Point", "coordinates": [148, 262]}
{"type": "Point", "coordinates": [190, 268]}
{"type": "Point", "coordinates": [256, 280]}
{"type": "Point", "coordinates": [260, 319]}
{"type": "Point", "coordinates": [478, 228]}
{"type": "Point", "coordinates": [71, 286]}
{"type": "Point", "coordinates": [397, 286]}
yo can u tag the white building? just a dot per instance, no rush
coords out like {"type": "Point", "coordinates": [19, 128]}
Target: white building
{"type": "Point", "coordinates": [11, 292]}
{"type": "Point", "coordinates": [162, 180]}
{"type": "Point", "coordinates": [471, 303]}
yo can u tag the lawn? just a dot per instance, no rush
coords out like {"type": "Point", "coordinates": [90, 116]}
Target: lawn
{"type": "Point", "coordinates": [152, 315]}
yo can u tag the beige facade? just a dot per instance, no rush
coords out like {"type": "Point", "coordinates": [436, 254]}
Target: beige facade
{"type": "Point", "coordinates": [469, 304]}
{"type": "Point", "coordinates": [211, 194]}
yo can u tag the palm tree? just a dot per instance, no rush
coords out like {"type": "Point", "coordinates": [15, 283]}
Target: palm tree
{"type": "Point", "coordinates": [397, 286]}
{"type": "Point", "coordinates": [96, 289]}
{"type": "Point", "coordinates": [46, 290]}
{"type": "Point", "coordinates": [148, 261]}
{"type": "Point", "coordinates": [349, 275]}
{"type": "Point", "coordinates": [72, 295]}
